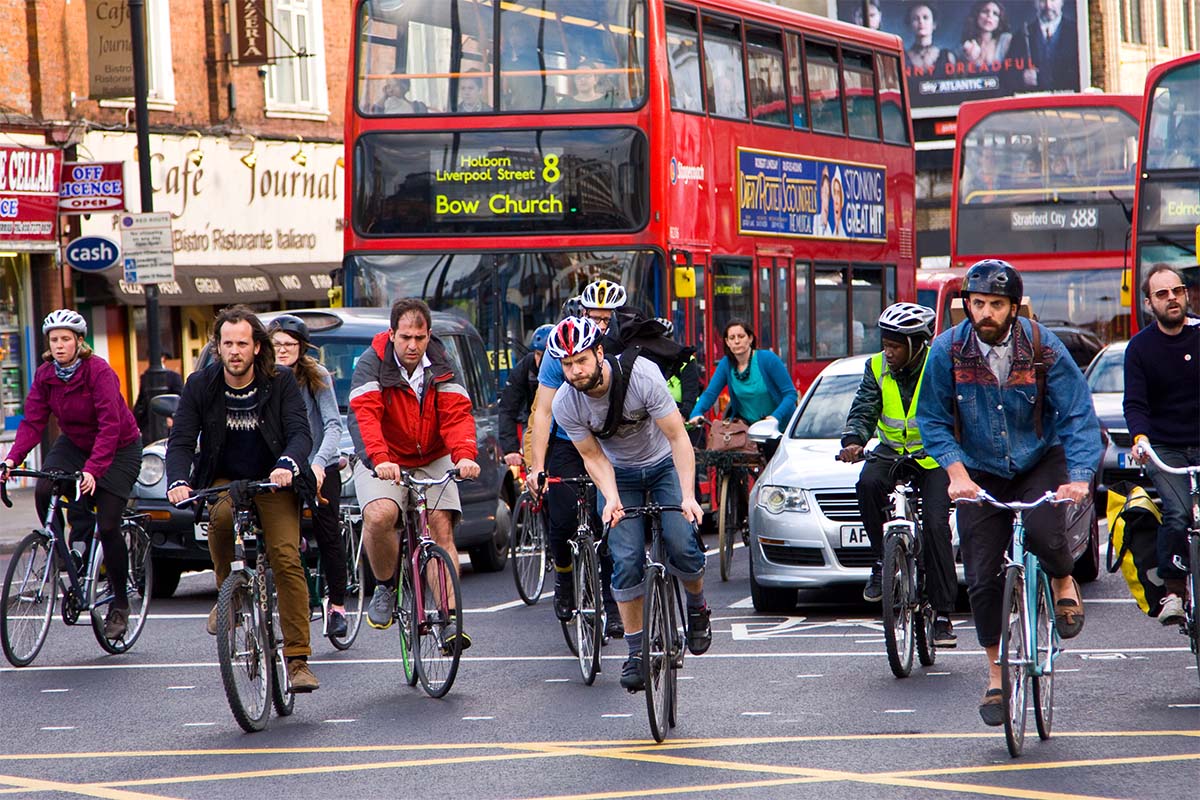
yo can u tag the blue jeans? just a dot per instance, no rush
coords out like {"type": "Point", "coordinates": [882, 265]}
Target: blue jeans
{"type": "Point", "coordinates": [657, 483]}
{"type": "Point", "coordinates": [1177, 507]}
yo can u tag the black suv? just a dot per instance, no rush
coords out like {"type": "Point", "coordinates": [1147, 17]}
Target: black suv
{"type": "Point", "coordinates": [341, 336]}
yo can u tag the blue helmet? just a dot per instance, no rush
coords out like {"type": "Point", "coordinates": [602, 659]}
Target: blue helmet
{"type": "Point", "coordinates": [540, 336]}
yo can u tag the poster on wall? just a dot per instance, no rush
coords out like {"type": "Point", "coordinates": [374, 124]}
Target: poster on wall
{"type": "Point", "coordinates": [960, 50]}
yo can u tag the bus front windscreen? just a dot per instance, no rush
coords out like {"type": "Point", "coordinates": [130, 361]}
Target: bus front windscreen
{"type": "Point", "coordinates": [1173, 129]}
{"type": "Point", "coordinates": [1047, 180]}
{"type": "Point", "coordinates": [488, 182]}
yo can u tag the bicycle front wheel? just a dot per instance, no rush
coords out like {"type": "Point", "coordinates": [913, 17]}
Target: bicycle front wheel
{"type": "Point", "coordinates": [658, 659]}
{"type": "Point", "coordinates": [589, 610]}
{"type": "Point", "coordinates": [438, 615]}
{"type": "Point", "coordinates": [1014, 653]}
{"type": "Point", "coordinates": [137, 587]}
{"type": "Point", "coordinates": [1043, 684]}
{"type": "Point", "coordinates": [243, 651]}
{"type": "Point", "coordinates": [727, 521]}
{"type": "Point", "coordinates": [282, 696]}
{"type": "Point", "coordinates": [30, 586]}
{"type": "Point", "coordinates": [356, 582]}
{"type": "Point", "coordinates": [529, 546]}
{"type": "Point", "coordinates": [898, 617]}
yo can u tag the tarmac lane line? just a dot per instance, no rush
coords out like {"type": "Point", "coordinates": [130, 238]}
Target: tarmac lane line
{"type": "Point", "coordinates": [1016, 766]}
{"type": "Point", "coordinates": [83, 789]}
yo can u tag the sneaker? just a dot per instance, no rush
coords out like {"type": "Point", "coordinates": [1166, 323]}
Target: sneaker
{"type": "Point", "coordinates": [564, 596]}
{"type": "Point", "coordinates": [631, 674]}
{"type": "Point", "coordinates": [301, 677]}
{"type": "Point", "coordinates": [336, 625]}
{"type": "Point", "coordinates": [943, 633]}
{"type": "Point", "coordinates": [613, 627]}
{"type": "Point", "coordinates": [212, 622]}
{"type": "Point", "coordinates": [116, 623]}
{"type": "Point", "coordinates": [1172, 610]}
{"type": "Point", "coordinates": [699, 630]}
{"type": "Point", "coordinates": [453, 632]}
{"type": "Point", "coordinates": [381, 611]}
{"type": "Point", "coordinates": [992, 707]}
{"type": "Point", "coordinates": [873, 591]}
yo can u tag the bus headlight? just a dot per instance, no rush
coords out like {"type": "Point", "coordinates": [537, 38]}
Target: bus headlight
{"type": "Point", "coordinates": [152, 470]}
{"type": "Point", "coordinates": [777, 499]}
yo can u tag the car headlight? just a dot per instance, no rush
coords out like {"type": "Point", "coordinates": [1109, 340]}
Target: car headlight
{"type": "Point", "coordinates": [777, 499]}
{"type": "Point", "coordinates": [152, 469]}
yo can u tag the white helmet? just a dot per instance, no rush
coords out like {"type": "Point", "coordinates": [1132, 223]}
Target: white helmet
{"type": "Point", "coordinates": [65, 318]}
{"type": "Point", "coordinates": [603, 294]}
{"type": "Point", "coordinates": [571, 336]}
{"type": "Point", "coordinates": [908, 319]}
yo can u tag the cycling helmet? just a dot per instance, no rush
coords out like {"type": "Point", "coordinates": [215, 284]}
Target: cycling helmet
{"type": "Point", "coordinates": [540, 336]}
{"type": "Point", "coordinates": [572, 307]}
{"type": "Point", "coordinates": [573, 335]}
{"type": "Point", "coordinates": [993, 276]}
{"type": "Point", "coordinates": [65, 318]}
{"type": "Point", "coordinates": [666, 323]}
{"type": "Point", "coordinates": [907, 319]}
{"type": "Point", "coordinates": [603, 294]}
{"type": "Point", "coordinates": [291, 325]}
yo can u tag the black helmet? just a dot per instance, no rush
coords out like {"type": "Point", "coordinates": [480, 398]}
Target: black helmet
{"type": "Point", "coordinates": [291, 325]}
{"type": "Point", "coordinates": [573, 307]}
{"type": "Point", "coordinates": [993, 276]}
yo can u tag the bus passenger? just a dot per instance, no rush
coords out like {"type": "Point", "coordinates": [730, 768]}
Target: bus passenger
{"type": "Point", "coordinates": [397, 101]}
{"type": "Point", "coordinates": [471, 97]}
{"type": "Point", "coordinates": [588, 92]}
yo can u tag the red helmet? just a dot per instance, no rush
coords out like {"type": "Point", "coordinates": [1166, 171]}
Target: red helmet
{"type": "Point", "coordinates": [573, 335]}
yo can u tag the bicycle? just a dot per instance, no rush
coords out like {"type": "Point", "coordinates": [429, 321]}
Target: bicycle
{"type": "Point", "coordinates": [249, 638]}
{"type": "Point", "coordinates": [350, 535]}
{"type": "Point", "coordinates": [529, 550]}
{"type": "Point", "coordinates": [664, 626]}
{"type": "Point", "coordinates": [425, 608]}
{"type": "Point", "coordinates": [1029, 640]}
{"type": "Point", "coordinates": [1190, 626]}
{"type": "Point", "coordinates": [34, 577]}
{"type": "Point", "coordinates": [736, 471]}
{"type": "Point", "coordinates": [908, 616]}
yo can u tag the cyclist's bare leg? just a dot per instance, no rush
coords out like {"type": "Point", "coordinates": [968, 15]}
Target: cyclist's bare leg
{"type": "Point", "coordinates": [1064, 588]}
{"type": "Point", "coordinates": [379, 537]}
{"type": "Point", "coordinates": [631, 610]}
{"type": "Point", "coordinates": [441, 529]}
{"type": "Point", "coordinates": [992, 654]}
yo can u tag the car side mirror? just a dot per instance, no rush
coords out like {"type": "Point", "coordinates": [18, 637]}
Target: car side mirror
{"type": "Point", "coordinates": [164, 405]}
{"type": "Point", "coordinates": [763, 431]}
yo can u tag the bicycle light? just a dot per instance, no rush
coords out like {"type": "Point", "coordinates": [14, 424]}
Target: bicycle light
{"type": "Point", "coordinates": [777, 499]}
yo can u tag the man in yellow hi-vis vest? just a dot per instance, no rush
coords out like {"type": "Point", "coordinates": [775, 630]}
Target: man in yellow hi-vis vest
{"type": "Point", "coordinates": [886, 406]}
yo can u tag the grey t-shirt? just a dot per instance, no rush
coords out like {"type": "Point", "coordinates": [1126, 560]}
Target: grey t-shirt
{"type": "Point", "coordinates": [640, 443]}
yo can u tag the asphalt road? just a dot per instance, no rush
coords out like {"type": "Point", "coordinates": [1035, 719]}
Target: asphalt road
{"type": "Point", "coordinates": [799, 706]}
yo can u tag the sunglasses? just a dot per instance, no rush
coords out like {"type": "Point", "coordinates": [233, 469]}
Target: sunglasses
{"type": "Point", "coordinates": [1163, 294]}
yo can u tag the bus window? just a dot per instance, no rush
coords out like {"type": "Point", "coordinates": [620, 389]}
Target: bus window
{"type": "Point", "coordinates": [683, 58]}
{"type": "Point", "coordinates": [796, 82]}
{"type": "Point", "coordinates": [723, 72]}
{"type": "Point", "coordinates": [768, 96]}
{"type": "Point", "coordinates": [1173, 129]}
{"type": "Point", "coordinates": [868, 295]}
{"type": "Point", "coordinates": [803, 323]}
{"type": "Point", "coordinates": [832, 311]}
{"type": "Point", "coordinates": [861, 111]}
{"type": "Point", "coordinates": [895, 122]}
{"type": "Point", "coordinates": [766, 331]}
{"type": "Point", "coordinates": [824, 89]}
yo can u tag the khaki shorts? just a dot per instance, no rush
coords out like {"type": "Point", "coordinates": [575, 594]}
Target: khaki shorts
{"type": "Point", "coordinates": [444, 498]}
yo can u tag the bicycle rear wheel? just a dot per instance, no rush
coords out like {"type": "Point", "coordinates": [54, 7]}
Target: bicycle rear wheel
{"type": "Point", "coordinates": [1194, 596]}
{"type": "Point", "coordinates": [727, 521]}
{"type": "Point", "coordinates": [924, 629]}
{"type": "Point", "coordinates": [898, 616]}
{"type": "Point", "coordinates": [140, 578]}
{"type": "Point", "coordinates": [407, 609]}
{"type": "Point", "coordinates": [243, 651]}
{"type": "Point", "coordinates": [356, 582]}
{"type": "Point", "coordinates": [437, 658]}
{"type": "Point", "coordinates": [1014, 653]}
{"type": "Point", "coordinates": [589, 610]}
{"type": "Point", "coordinates": [658, 642]}
{"type": "Point", "coordinates": [1043, 684]}
{"type": "Point", "coordinates": [282, 697]}
{"type": "Point", "coordinates": [529, 546]}
{"type": "Point", "coordinates": [30, 587]}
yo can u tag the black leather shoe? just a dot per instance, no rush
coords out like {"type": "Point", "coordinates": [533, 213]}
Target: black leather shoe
{"type": "Point", "coordinates": [336, 626]}
{"type": "Point", "coordinates": [699, 630]}
{"type": "Point", "coordinates": [631, 674]}
{"type": "Point", "coordinates": [992, 708]}
{"type": "Point", "coordinates": [564, 596]}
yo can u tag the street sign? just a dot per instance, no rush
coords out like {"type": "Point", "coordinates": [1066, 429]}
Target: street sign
{"type": "Point", "coordinates": [92, 253]}
{"type": "Point", "coordinates": [147, 248]}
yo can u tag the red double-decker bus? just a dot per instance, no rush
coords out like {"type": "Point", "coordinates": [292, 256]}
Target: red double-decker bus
{"type": "Point", "coordinates": [720, 159]}
{"type": "Point", "coordinates": [1166, 218]}
{"type": "Point", "coordinates": [1046, 182]}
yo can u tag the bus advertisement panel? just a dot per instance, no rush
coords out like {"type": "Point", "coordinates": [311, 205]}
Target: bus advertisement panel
{"type": "Point", "coordinates": [956, 50]}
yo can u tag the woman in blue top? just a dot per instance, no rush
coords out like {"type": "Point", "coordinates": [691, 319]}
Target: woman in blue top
{"type": "Point", "coordinates": [759, 384]}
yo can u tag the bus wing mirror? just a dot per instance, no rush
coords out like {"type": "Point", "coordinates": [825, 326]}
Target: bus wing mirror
{"type": "Point", "coordinates": [685, 274]}
{"type": "Point", "coordinates": [1126, 291]}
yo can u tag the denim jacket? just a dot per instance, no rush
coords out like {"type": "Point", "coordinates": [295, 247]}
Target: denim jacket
{"type": "Point", "coordinates": [998, 432]}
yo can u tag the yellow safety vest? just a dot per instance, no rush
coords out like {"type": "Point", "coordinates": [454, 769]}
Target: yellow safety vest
{"type": "Point", "coordinates": [897, 427]}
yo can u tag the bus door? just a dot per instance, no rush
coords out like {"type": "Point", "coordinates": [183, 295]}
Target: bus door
{"type": "Point", "coordinates": [730, 296]}
{"type": "Point", "coordinates": [687, 313]}
{"type": "Point", "coordinates": [772, 279]}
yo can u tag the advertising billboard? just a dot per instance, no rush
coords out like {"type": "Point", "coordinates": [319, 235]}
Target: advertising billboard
{"type": "Point", "coordinates": [960, 50]}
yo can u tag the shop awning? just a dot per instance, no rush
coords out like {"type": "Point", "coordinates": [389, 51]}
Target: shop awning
{"type": "Point", "coordinates": [212, 285]}
{"type": "Point", "coordinates": [302, 283]}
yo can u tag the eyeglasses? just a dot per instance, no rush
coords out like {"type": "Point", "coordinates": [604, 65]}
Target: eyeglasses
{"type": "Point", "coordinates": [287, 345]}
{"type": "Point", "coordinates": [1163, 294]}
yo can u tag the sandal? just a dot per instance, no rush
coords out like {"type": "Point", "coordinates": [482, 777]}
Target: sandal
{"type": "Point", "coordinates": [992, 707]}
{"type": "Point", "coordinates": [1068, 617]}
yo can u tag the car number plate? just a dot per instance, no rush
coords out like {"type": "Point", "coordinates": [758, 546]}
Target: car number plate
{"type": "Point", "coordinates": [202, 533]}
{"type": "Point", "coordinates": [855, 536]}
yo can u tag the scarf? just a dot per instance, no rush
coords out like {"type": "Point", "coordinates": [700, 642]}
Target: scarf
{"type": "Point", "coordinates": [66, 373]}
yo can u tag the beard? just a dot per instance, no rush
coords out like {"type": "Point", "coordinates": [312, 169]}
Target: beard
{"type": "Point", "coordinates": [585, 385]}
{"type": "Point", "coordinates": [1172, 316]}
{"type": "Point", "coordinates": [238, 370]}
{"type": "Point", "coordinates": [990, 333]}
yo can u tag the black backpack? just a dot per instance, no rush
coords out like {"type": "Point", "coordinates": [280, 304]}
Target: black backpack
{"type": "Point", "coordinates": [649, 336]}
{"type": "Point", "coordinates": [622, 368]}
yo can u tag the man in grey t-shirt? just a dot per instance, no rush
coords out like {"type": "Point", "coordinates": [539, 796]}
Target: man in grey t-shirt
{"type": "Point", "coordinates": [649, 457]}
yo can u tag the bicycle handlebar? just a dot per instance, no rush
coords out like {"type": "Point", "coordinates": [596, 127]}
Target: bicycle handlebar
{"type": "Point", "coordinates": [54, 475]}
{"type": "Point", "coordinates": [257, 487]}
{"type": "Point", "coordinates": [408, 479]}
{"type": "Point", "coordinates": [984, 497]}
{"type": "Point", "coordinates": [1158, 462]}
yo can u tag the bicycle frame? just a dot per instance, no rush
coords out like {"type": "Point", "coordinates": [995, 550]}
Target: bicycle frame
{"type": "Point", "coordinates": [416, 540]}
{"type": "Point", "coordinates": [1026, 564]}
{"type": "Point", "coordinates": [76, 590]}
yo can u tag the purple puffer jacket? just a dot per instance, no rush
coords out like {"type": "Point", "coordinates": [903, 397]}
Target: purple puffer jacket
{"type": "Point", "coordinates": [90, 411]}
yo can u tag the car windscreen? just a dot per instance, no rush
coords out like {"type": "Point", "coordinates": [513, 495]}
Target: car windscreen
{"type": "Point", "coordinates": [823, 415]}
{"type": "Point", "coordinates": [1108, 374]}
{"type": "Point", "coordinates": [339, 356]}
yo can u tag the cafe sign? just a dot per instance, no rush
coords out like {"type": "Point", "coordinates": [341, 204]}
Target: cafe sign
{"type": "Point", "coordinates": [29, 186]}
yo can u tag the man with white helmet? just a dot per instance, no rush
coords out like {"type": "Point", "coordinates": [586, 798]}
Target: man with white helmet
{"type": "Point", "coordinates": [886, 406]}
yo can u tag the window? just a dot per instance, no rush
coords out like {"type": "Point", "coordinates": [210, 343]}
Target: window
{"type": "Point", "coordinates": [891, 101]}
{"type": "Point", "coordinates": [732, 293]}
{"type": "Point", "coordinates": [768, 95]}
{"type": "Point", "coordinates": [1190, 18]}
{"type": "Point", "coordinates": [1160, 23]}
{"type": "Point", "coordinates": [766, 331]}
{"type": "Point", "coordinates": [868, 295]}
{"type": "Point", "coordinates": [861, 110]}
{"type": "Point", "coordinates": [296, 81]}
{"type": "Point", "coordinates": [723, 72]}
{"type": "Point", "coordinates": [683, 58]}
{"type": "Point", "coordinates": [803, 323]}
{"type": "Point", "coordinates": [1131, 21]}
{"type": "Point", "coordinates": [832, 303]}
{"type": "Point", "coordinates": [824, 89]}
{"type": "Point", "coordinates": [796, 81]}
{"type": "Point", "coordinates": [160, 72]}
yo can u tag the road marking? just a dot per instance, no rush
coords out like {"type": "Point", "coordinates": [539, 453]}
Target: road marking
{"type": "Point", "coordinates": [813, 675]}
{"type": "Point", "coordinates": [198, 724]}
{"type": "Point", "coordinates": [745, 602]}
{"type": "Point", "coordinates": [54, 691]}
{"type": "Point", "coordinates": [340, 721]}
{"type": "Point", "coordinates": [900, 711]}
{"type": "Point", "coordinates": [935, 674]}
{"type": "Point", "coordinates": [1068, 669]}
{"type": "Point", "coordinates": [615, 716]}
{"type": "Point", "coordinates": [179, 688]}
{"type": "Point", "coordinates": [476, 719]}
{"type": "Point", "coordinates": [1184, 705]}
{"type": "Point", "coordinates": [557, 680]}
{"type": "Point", "coordinates": [59, 728]}
{"type": "Point", "coordinates": [756, 713]}
{"type": "Point", "coordinates": [685, 677]}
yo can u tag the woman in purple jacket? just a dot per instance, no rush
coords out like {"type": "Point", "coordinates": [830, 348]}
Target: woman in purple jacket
{"type": "Point", "coordinates": [99, 437]}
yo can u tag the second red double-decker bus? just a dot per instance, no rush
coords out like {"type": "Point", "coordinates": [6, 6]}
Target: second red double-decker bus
{"type": "Point", "coordinates": [1046, 182]}
{"type": "Point", "coordinates": [720, 159]}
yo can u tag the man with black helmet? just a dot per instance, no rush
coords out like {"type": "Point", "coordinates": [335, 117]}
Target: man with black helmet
{"type": "Point", "coordinates": [886, 406]}
{"type": "Point", "coordinates": [1003, 407]}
